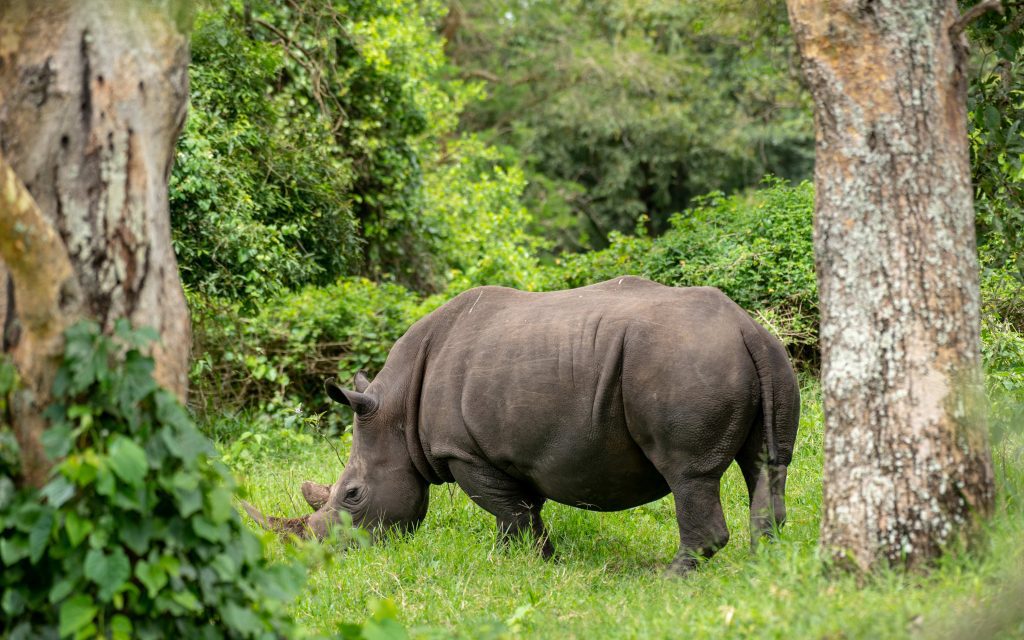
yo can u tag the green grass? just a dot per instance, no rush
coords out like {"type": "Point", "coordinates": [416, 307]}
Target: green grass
{"type": "Point", "coordinates": [451, 579]}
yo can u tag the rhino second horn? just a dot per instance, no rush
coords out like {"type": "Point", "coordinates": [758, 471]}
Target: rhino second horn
{"type": "Point", "coordinates": [316, 494]}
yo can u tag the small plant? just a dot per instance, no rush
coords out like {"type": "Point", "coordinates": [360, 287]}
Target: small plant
{"type": "Point", "coordinates": [135, 535]}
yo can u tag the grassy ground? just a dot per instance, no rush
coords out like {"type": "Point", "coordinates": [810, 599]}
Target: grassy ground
{"type": "Point", "coordinates": [450, 579]}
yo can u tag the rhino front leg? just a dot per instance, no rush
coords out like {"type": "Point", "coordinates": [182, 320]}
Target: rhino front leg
{"type": "Point", "coordinates": [702, 528]}
{"type": "Point", "coordinates": [516, 509]}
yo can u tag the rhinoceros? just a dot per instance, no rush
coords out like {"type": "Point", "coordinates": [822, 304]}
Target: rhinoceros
{"type": "Point", "coordinates": [604, 397]}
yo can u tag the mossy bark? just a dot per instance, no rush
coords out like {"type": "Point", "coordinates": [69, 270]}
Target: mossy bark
{"type": "Point", "coordinates": [907, 463]}
{"type": "Point", "coordinates": [92, 98]}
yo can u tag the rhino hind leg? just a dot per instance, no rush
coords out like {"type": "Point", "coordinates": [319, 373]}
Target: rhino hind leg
{"type": "Point", "coordinates": [702, 528]}
{"type": "Point", "coordinates": [526, 521]}
{"type": "Point", "coordinates": [316, 494]}
{"type": "Point", "coordinates": [766, 486]}
{"type": "Point", "coordinates": [515, 508]}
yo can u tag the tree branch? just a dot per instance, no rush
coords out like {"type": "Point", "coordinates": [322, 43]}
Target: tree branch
{"type": "Point", "coordinates": [47, 298]}
{"type": "Point", "coordinates": [34, 255]}
{"type": "Point", "coordinates": [973, 14]}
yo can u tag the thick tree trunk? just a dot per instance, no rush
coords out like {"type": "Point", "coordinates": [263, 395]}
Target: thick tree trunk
{"type": "Point", "coordinates": [92, 99]}
{"type": "Point", "coordinates": [907, 465]}
{"type": "Point", "coordinates": [93, 95]}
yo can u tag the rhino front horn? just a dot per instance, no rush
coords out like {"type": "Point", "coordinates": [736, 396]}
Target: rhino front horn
{"type": "Point", "coordinates": [295, 526]}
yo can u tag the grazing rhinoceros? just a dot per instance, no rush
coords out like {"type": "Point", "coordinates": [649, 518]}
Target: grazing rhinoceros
{"type": "Point", "coordinates": [604, 397]}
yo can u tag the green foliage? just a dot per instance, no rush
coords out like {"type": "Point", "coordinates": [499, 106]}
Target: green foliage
{"type": "Point", "coordinates": [260, 196]}
{"type": "Point", "coordinates": [996, 119]}
{"type": "Point", "coordinates": [135, 535]}
{"type": "Point", "coordinates": [1002, 342]}
{"type": "Point", "coordinates": [297, 340]}
{"type": "Point", "coordinates": [304, 159]}
{"type": "Point", "coordinates": [475, 214]}
{"type": "Point", "coordinates": [619, 108]}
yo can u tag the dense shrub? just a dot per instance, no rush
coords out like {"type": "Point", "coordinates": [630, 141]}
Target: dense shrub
{"type": "Point", "coordinates": [261, 200]}
{"type": "Point", "coordinates": [135, 536]}
{"type": "Point", "coordinates": [475, 214]}
{"type": "Point", "coordinates": [298, 339]}
{"type": "Point", "coordinates": [314, 127]}
{"type": "Point", "coordinates": [995, 121]}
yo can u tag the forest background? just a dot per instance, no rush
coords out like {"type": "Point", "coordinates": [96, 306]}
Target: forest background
{"type": "Point", "coordinates": [346, 168]}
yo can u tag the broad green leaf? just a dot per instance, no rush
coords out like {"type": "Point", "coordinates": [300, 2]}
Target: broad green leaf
{"type": "Point", "coordinates": [40, 536]}
{"type": "Point", "coordinates": [152, 576]}
{"type": "Point", "coordinates": [188, 600]}
{"type": "Point", "coordinates": [136, 536]}
{"type": "Point", "coordinates": [105, 480]}
{"type": "Point", "coordinates": [245, 621]}
{"type": "Point", "coordinates": [62, 588]}
{"type": "Point", "coordinates": [77, 527]}
{"type": "Point", "coordinates": [209, 531]}
{"type": "Point", "coordinates": [219, 504]}
{"type": "Point", "coordinates": [57, 440]}
{"type": "Point", "coordinates": [128, 461]}
{"type": "Point", "coordinates": [135, 382]}
{"type": "Point", "coordinates": [76, 613]}
{"type": "Point", "coordinates": [13, 601]}
{"type": "Point", "coordinates": [225, 567]}
{"type": "Point", "coordinates": [13, 548]}
{"type": "Point", "coordinates": [58, 491]}
{"type": "Point", "coordinates": [120, 628]}
{"type": "Point", "coordinates": [110, 572]}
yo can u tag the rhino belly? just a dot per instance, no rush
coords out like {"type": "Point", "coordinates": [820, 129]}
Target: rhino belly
{"type": "Point", "coordinates": [598, 480]}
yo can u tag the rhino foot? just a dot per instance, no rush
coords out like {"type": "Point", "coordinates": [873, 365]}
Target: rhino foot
{"type": "Point", "coordinates": [681, 567]}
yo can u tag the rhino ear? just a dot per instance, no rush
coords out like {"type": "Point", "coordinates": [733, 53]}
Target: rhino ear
{"type": "Point", "coordinates": [362, 403]}
{"type": "Point", "coordinates": [362, 381]}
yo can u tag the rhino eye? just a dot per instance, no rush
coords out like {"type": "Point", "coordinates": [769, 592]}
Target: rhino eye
{"type": "Point", "coordinates": [352, 493]}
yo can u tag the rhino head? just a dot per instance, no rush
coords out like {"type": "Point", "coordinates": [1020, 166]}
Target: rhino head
{"type": "Point", "coordinates": [380, 487]}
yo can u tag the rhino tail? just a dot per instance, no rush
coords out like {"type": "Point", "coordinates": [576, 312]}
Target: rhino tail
{"type": "Point", "coordinates": [757, 347]}
{"type": "Point", "coordinates": [298, 527]}
{"type": "Point", "coordinates": [780, 408]}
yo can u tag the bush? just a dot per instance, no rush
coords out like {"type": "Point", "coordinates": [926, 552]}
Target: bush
{"type": "Point", "coordinates": [297, 340]}
{"type": "Point", "coordinates": [135, 535]}
{"type": "Point", "coordinates": [260, 195]}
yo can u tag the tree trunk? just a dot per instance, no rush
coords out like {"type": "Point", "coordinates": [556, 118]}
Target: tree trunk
{"type": "Point", "coordinates": [93, 95]}
{"type": "Point", "coordinates": [907, 464]}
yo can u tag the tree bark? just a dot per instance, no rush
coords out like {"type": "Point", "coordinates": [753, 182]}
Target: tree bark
{"type": "Point", "coordinates": [92, 99]}
{"type": "Point", "coordinates": [93, 95]}
{"type": "Point", "coordinates": [907, 464]}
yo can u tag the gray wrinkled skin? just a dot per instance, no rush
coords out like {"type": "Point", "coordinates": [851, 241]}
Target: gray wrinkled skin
{"type": "Point", "coordinates": [604, 397]}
